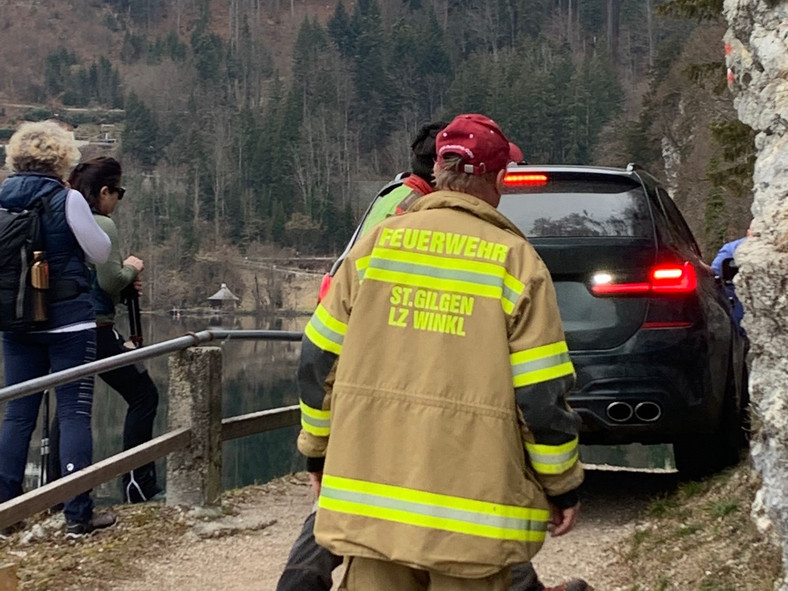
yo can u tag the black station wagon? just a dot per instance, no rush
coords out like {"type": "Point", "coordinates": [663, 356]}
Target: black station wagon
{"type": "Point", "coordinates": [658, 356]}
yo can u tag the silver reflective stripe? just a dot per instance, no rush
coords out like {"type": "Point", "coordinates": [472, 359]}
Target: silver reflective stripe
{"type": "Point", "coordinates": [543, 363]}
{"type": "Point", "coordinates": [550, 458]}
{"type": "Point", "coordinates": [472, 517]}
{"type": "Point", "coordinates": [435, 271]}
{"type": "Point", "coordinates": [510, 294]}
{"type": "Point", "coordinates": [317, 423]}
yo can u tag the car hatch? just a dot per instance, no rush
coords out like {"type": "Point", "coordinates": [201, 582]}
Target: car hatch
{"type": "Point", "coordinates": [588, 228]}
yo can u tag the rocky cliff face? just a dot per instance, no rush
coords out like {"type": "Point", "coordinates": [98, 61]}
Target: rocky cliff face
{"type": "Point", "coordinates": [757, 57]}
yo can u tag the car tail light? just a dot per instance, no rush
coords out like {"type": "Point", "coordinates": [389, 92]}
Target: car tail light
{"type": "Point", "coordinates": [519, 179]}
{"type": "Point", "coordinates": [324, 285]}
{"type": "Point", "coordinates": [674, 278]}
{"type": "Point", "coordinates": [662, 279]}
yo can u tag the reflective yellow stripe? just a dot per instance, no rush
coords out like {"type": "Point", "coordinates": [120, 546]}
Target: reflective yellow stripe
{"type": "Point", "coordinates": [361, 267]}
{"type": "Point", "coordinates": [553, 459]}
{"type": "Point", "coordinates": [541, 364]}
{"type": "Point", "coordinates": [315, 421]}
{"type": "Point", "coordinates": [431, 510]}
{"type": "Point", "coordinates": [512, 290]}
{"type": "Point", "coordinates": [476, 278]}
{"type": "Point", "coordinates": [439, 262]}
{"type": "Point", "coordinates": [325, 331]}
{"type": "Point", "coordinates": [441, 273]}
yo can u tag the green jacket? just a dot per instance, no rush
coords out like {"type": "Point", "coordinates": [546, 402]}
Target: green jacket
{"type": "Point", "coordinates": [433, 378]}
{"type": "Point", "coordinates": [111, 276]}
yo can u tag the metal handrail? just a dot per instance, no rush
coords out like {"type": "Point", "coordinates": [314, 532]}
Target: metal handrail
{"type": "Point", "coordinates": [177, 344]}
{"type": "Point", "coordinates": [179, 439]}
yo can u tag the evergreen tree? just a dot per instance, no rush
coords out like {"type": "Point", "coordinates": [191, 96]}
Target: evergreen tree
{"type": "Point", "coordinates": [208, 53]}
{"type": "Point", "coordinates": [140, 138]}
{"type": "Point", "coordinates": [57, 66]}
{"type": "Point", "coordinates": [343, 31]}
{"type": "Point", "coordinates": [278, 220]}
{"type": "Point", "coordinates": [133, 48]}
{"type": "Point", "coordinates": [715, 224]}
{"type": "Point", "coordinates": [433, 68]}
{"type": "Point", "coordinates": [371, 107]}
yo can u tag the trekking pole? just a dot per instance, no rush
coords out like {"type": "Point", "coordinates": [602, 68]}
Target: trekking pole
{"type": "Point", "coordinates": [43, 473]}
{"type": "Point", "coordinates": [131, 297]}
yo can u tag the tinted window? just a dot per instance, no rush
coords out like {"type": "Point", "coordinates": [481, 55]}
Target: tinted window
{"type": "Point", "coordinates": [679, 225]}
{"type": "Point", "coordinates": [579, 205]}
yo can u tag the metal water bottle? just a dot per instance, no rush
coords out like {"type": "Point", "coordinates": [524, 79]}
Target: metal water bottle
{"type": "Point", "coordinates": [39, 279]}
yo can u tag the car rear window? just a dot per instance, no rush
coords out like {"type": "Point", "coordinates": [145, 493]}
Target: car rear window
{"type": "Point", "coordinates": [580, 205]}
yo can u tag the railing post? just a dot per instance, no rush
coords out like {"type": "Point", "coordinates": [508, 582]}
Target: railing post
{"type": "Point", "coordinates": [194, 475]}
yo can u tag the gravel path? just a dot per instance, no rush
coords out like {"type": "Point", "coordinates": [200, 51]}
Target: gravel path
{"type": "Point", "coordinates": [251, 554]}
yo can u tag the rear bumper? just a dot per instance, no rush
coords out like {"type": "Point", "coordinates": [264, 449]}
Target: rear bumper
{"type": "Point", "coordinates": [658, 386]}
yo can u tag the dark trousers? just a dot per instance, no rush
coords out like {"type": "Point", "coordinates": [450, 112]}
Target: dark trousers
{"type": "Point", "coordinates": [309, 566]}
{"type": "Point", "coordinates": [138, 390]}
{"type": "Point", "coordinates": [31, 355]}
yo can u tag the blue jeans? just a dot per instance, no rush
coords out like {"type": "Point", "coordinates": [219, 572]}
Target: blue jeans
{"type": "Point", "coordinates": [32, 355]}
{"type": "Point", "coordinates": [140, 393]}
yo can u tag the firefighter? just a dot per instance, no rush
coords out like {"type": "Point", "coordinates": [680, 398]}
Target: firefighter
{"type": "Point", "coordinates": [433, 380]}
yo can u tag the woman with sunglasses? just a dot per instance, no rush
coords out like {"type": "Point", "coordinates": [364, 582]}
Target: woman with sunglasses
{"type": "Point", "coordinates": [98, 179]}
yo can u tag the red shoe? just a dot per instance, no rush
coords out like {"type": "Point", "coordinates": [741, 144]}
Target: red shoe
{"type": "Point", "coordinates": [571, 585]}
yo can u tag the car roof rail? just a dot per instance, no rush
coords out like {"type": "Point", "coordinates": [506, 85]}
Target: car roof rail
{"type": "Point", "coordinates": [632, 166]}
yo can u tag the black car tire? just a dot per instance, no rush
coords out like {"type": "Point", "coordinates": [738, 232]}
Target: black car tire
{"type": "Point", "coordinates": [699, 455]}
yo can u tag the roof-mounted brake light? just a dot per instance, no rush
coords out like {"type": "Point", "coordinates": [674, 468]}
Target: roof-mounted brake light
{"type": "Point", "coordinates": [519, 179]}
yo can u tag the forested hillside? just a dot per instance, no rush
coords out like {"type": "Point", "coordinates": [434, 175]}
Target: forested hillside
{"type": "Point", "coordinates": [267, 122]}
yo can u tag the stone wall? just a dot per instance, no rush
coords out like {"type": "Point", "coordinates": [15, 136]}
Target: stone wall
{"type": "Point", "coordinates": [757, 58]}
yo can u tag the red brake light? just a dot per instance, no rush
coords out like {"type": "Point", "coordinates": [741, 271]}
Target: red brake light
{"type": "Point", "coordinates": [620, 288]}
{"type": "Point", "coordinates": [515, 179]}
{"type": "Point", "coordinates": [324, 285]}
{"type": "Point", "coordinates": [663, 279]}
{"type": "Point", "coordinates": [674, 278]}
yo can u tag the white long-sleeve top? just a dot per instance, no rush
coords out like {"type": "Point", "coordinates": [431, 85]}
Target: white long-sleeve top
{"type": "Point", "coordinates": [91, 238]}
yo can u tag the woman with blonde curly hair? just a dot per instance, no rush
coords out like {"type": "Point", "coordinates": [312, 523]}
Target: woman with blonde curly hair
{"type": "Point", "coordinates": [40, 156]}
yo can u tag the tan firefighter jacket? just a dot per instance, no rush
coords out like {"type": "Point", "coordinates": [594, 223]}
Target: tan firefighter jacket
{"type": "Point", "coordinates": [446, 405]}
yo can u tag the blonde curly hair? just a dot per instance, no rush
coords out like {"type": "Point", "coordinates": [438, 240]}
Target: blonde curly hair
{"type": "Point", "coordinates": [42, 147]}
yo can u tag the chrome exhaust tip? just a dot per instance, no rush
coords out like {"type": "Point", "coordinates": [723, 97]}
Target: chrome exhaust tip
{"type": "Point", "coordinates": [648, 412]}
{"type": "Point", "coordinates": [619, 412]}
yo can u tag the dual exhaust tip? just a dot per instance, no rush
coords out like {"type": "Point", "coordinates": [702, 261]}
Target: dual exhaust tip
{"type": "Point", "coordinates": [621, 412]}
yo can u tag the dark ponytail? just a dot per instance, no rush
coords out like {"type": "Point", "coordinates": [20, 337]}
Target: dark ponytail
{"type": "Point", "coordinates": [89, 176]}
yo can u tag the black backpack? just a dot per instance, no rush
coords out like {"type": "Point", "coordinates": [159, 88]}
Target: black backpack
{"type": "Point", "coordinates": [20, 237]}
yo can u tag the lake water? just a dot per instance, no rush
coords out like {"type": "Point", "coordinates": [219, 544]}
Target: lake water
{"type": "Point", "coordinates": [257, 375]}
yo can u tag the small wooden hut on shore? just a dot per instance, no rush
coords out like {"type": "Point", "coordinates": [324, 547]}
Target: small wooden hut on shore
{"type": "Point", "coordinates": [224, 299]}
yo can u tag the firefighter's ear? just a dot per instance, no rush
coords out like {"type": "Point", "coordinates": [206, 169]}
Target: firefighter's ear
{"type": "Point", "coordinates": [499, 184]}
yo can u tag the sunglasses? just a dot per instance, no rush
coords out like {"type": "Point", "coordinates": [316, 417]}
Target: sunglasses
{"type": "Point", "coordinates": [121, 191]}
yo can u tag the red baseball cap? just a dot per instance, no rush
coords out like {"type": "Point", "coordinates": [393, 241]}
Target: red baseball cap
{"type": "Point", "coordinates": [479, 142]}
{"type": "Point", "coordinates": [515, 153]}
